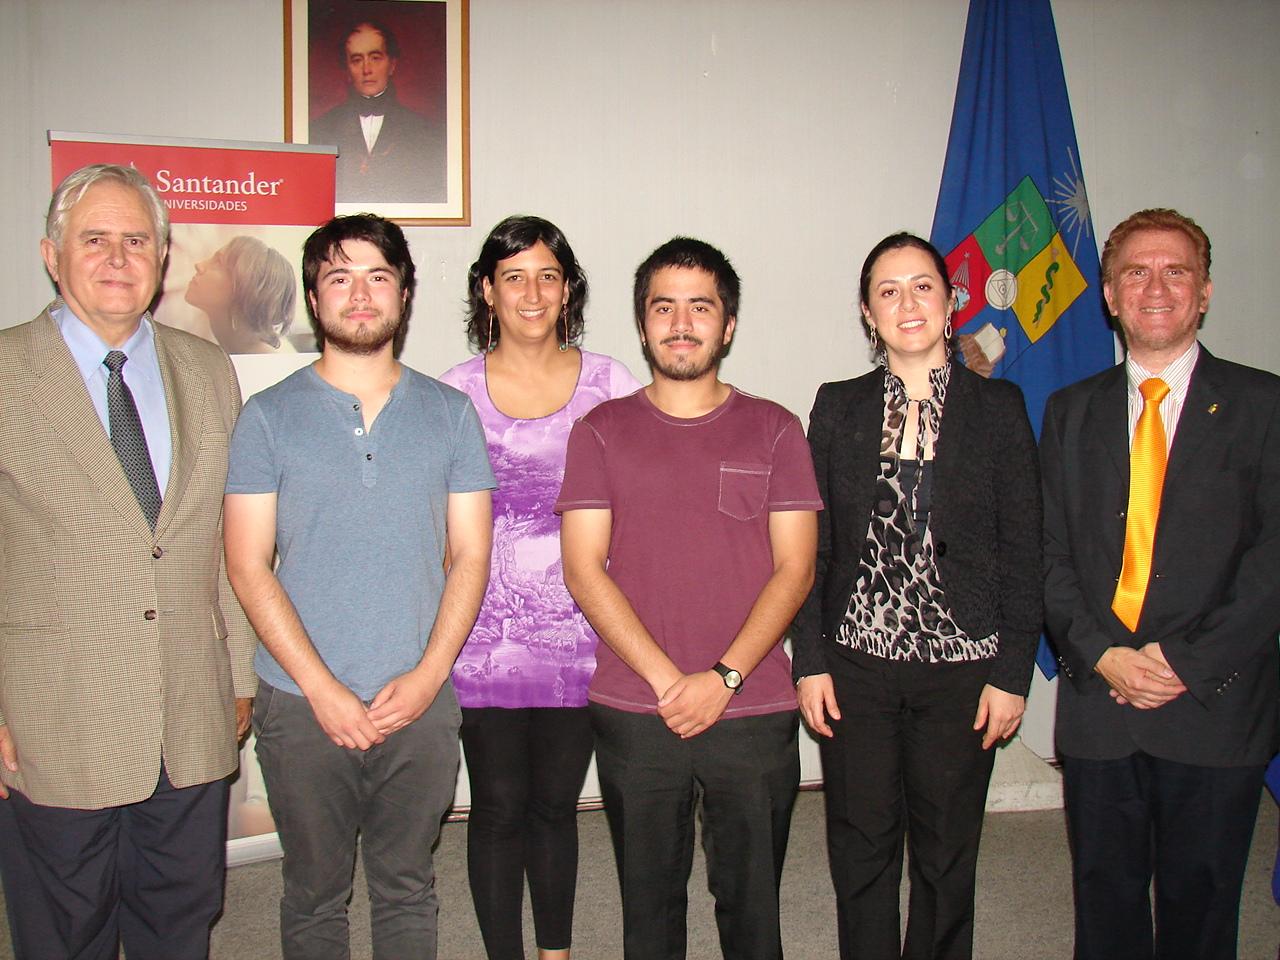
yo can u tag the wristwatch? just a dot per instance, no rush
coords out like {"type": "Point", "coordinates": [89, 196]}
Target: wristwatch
{"type": "Point", "coordinates": [731, 677]}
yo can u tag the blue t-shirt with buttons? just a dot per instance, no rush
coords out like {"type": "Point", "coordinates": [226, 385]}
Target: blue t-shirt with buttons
{"type": "Point", "coordinates": [360, 514]}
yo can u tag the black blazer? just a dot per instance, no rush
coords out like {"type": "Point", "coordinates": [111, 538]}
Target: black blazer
{"type": "Point", "coordinates": [1213, 603]}
{"type": "Point", "coordinates": [985, 515]}
{"type": "Point", "coordinates": [409, 162]}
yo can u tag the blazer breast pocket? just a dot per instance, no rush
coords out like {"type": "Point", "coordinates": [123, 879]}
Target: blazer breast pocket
{"type": "Point", "coordinates": [744, 488]}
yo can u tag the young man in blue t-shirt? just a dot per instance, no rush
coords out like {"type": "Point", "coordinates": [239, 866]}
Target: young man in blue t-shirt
{"type": "Point", "coordinates": [363, 475]}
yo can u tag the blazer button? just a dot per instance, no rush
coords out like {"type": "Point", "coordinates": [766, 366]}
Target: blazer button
{"type": "Point", "coordinates": [941, 548]}
{"type": "Point", "coordinates": [148, 615]}
{"type": "Point", "coordinates": [1119, 514]}
{"type": "Point", "coordinates": [157, 552]}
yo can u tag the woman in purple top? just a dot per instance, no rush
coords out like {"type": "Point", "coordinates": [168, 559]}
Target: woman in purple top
{"type": "Point", "coordinates": [522, 677]}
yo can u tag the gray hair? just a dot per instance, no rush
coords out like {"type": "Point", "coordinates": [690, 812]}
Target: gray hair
{"type": "Point", "coordinates": [74, 185]}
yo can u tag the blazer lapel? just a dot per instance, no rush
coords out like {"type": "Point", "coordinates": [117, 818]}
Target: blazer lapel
{"type": "Point", "coordinates": [957, 415]}
{"type": "Point", "coordinates": [59, 394]}
{"type": "Point", "coordinates": [184, 393]}
{"type": "Point", "coordinates": [1102, 465]}
{"type": "Point", "coordinates": [855, 473]}
{"type": "Point", "coordinates": [1200, 412]}
{"type": "Point", "coordinates": [1106, 422]}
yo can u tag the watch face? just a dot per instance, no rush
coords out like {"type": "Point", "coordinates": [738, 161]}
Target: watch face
{"type": "Point", "coordinates": [731, 677]}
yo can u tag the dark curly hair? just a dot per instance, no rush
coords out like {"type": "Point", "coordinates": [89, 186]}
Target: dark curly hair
{"type": "Point", "coordinates": [514, 235]}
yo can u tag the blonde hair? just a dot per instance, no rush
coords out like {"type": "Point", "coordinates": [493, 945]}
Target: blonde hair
{"type": "Point", "coordinates": [263, 287]}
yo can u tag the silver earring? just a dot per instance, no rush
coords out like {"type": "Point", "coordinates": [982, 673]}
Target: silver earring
{"type": "Point", "coordinates": [874, 337]}
{"type": "Point", "coordinates": [946, 330]}
{"type": "Point", "coordinates": [491, 346]}
{"type": "Point", "coordinates": [564, 318]}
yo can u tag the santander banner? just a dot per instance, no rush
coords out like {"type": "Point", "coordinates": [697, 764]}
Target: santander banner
{"type": "Point", "coordinates": [213, 181]}
{"type": "Point", "coordinates": [239, 213]}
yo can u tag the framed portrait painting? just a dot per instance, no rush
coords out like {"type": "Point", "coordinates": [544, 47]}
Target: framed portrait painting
{"type": "Point", "coordinates": [385, 82]}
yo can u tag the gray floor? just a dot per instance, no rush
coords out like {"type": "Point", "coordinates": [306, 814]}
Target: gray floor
{"type": "Point", "coordinates": [1024, 899]}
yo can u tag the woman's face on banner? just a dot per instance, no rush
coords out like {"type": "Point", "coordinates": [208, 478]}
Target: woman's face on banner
{"type": "Point", "coordinates": [210, 289]}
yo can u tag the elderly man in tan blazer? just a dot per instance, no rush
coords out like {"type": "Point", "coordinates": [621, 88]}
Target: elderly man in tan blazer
{"type": "Point", "coordinates": [125, 661]}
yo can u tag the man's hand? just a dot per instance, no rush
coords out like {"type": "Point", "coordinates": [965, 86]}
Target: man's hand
{"type": "Point", "coordinates": [1000, 712]}
{"type": "Point", "coordinates": [403, 700]}
{"type": "Point", "coordinates": [1138, 678]}
{"type": "Point", "coordinates": [244, 717]}
{"type": "Point", "coordinates": [342, 716]}
{"type": "Point", "coordinates": [694, 703]}
{"type": "Point", "coordinates": [817, 696]}
{"type": "Point", "coordinates": [8, 756]}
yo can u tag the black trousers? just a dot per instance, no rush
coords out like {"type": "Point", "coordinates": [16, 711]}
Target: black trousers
{"type": "Point", "coordinates": [147, 874]}
{"type": "Point", "coordinates": [1190, 826]}
{"type": "Point", "coordinates": [746, 771]}
{"type": "Point", "coordinates": [526, 768]}
{"type": "Point", "coordinates": [905, 759]}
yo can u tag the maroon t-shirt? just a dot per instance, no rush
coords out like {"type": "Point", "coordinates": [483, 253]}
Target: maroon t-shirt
{"type": "Point", "coordinates": [690, 539]}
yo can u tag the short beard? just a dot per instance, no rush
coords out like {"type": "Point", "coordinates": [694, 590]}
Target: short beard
{"type": "Point", "coordinates": [685, 373]}
{"type": "Point", "coordinates": [366, 340]}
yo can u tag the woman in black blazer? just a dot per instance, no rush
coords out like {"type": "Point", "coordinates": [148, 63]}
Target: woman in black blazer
{"type": "Point", "coordinates": [914, 650]}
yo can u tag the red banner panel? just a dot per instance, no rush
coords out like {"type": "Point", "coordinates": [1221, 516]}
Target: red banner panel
{"type": "Point", "coordinates": [217, 184]}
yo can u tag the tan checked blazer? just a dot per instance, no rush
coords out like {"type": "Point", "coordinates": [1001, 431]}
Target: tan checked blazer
{"type": "Point", "coordinates": [117, 645]}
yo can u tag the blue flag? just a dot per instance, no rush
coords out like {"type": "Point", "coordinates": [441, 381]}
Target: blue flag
{"type": "Point", "coordinates": [1013, 214]}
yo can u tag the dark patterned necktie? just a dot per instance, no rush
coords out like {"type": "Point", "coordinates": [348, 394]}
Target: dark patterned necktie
{"type": "Point", "coordinates": [128, 439]}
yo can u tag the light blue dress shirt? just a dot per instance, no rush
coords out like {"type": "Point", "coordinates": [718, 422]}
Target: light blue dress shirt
{"type": "Point", "coordinates": [141, 375]}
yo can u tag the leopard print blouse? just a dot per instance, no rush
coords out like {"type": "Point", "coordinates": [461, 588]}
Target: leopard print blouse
{"type": "Point", "coordinates": [898, 610]}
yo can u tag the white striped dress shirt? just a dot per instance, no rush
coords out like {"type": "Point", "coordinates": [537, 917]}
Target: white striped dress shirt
{"type": "Point", "coordinates": [1177, 375]}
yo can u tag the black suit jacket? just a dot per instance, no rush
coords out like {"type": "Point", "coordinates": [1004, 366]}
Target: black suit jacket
{"type": "Point", "coordinates": [408, 164]}
{"type": "Point", "coordinates": [1213, 603]}
{"type": "Point", "coordinates": [985, 515]}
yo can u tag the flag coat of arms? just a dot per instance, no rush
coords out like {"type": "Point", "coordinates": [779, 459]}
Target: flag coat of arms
{"type": "Point", "coordinates": [1013, 214]}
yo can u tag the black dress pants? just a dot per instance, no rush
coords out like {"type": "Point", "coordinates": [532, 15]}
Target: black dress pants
{"type": "Point", "coordinates": [905, 760]}
{"type": "Point", "coordinates": [147, 874]}
{"type": "Point", "coordinates": [1191, 826]}
{"type": "Point", "coordinates": [745, 770]}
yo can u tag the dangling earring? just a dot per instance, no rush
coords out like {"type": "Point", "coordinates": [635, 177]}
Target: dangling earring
{"type": "Point", "coordinates": [946, 330]}
{"type": "Point", "coordinates": [874, 337]}
{"type": "Point", "coordinates": [490, 346]}
{"type": "Point", "coordinates": [564, 318]}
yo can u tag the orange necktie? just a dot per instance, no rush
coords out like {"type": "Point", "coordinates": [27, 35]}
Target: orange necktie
{"type": "Point", "coordinates": [1147, 458]}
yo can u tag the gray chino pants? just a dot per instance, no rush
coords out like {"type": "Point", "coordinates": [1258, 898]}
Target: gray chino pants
{"type": "Point", "coordinates": [393, 796]}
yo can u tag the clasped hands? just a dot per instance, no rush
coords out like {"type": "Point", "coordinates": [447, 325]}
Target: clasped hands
{"type": "Point", "coordinates": [1140, 678]}
{"type": "Point", "coordinates": [693, 703]}
{"type": "Point", "coordinates": [349, 723]}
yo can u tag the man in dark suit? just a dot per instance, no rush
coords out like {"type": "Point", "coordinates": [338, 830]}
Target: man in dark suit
{"type": "Point", "coordinates": [125, 660]}
{"type": "Point", "coordinates": [1162, 552]}
{"type": "Point", "coordinates": [386, 152]}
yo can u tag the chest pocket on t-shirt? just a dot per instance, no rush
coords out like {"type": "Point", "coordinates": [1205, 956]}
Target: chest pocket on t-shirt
{"type": "Point", "coordinates": [744, 487]}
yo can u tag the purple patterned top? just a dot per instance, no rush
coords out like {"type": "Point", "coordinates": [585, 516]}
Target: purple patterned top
{"type": "Point", "coordinates": [531, 645]}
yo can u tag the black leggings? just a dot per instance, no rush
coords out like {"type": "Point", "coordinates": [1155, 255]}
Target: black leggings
{"type": "Point", "coordinates": [526, 768]}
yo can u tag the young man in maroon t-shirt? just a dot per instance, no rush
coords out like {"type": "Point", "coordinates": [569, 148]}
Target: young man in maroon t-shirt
{"type": "Point", "coordinates": [689, 538]}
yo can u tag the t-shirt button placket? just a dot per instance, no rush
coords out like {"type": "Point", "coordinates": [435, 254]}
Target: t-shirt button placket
{"type": "Point", "coordinates": [369, 468]}
{"type": "Point", "coordinates": [366, 449]}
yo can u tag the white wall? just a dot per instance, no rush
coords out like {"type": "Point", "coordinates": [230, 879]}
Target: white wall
{"type": "Point", "coordinates": [794, 135]}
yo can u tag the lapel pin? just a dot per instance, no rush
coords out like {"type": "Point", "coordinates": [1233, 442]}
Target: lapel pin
{"type": "Point", "coordinates": [1213, 408]}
